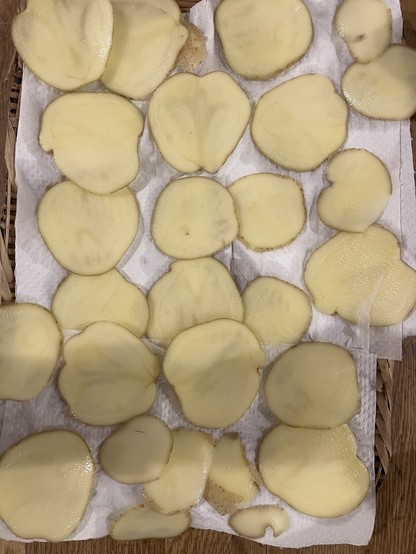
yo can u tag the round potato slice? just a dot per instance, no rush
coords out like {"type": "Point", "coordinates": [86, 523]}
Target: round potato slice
{"type": "Point", "coordinates": [253, 522]}
{"type": "Point", "coordinates": [260, 38]}
{"type": "Point", "coordinates": [316, 472]}
{"type": "Point", "coordinates": [30, 342]}
{"type": "Point", "coordinates": [192, 292]}
{"type": "Point", "coordinates": [81, 300]}
{"type": "Point", "coordinates": [109, 375]}
{"type": "Point", "coordinates": [194, 217]}
{"type": "Point", "coordinates": [277, 312]}
{"type": "Point", "coordinates": [299, 123]}
{"type": "Point", "coordinates": [87, 233]}
{"type": "Point", "coordinates": [313, 385]}
{"type": "Point", "coordinates": [214, 369]}
{"type": "Point", "coordinates": [270, 210]}
{"type": "Point", "coordinates": [46, 482]}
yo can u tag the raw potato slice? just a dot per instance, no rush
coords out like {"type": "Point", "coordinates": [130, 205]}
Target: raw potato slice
{"type": "Point", "coordinates": [87, 233]}
{"type": "Point", "coordinates": [277, 312]}
{"type": "Point", "coordinates": [191, 292]}
{"type": "Point", "coordinates": [360, 191]}
{"type": "Point", "coordinates": [109, 375]}
{"type": "Point", "coordinates": [384, 88]}
{"type": "Point", "coordinates": [313, 385]}
{"type": "Point", "coordinates": [260, 38]}
{"type": "Point", "coordinates": [270, 210]}
{"type": "Point", "coordinates": [82, 300]}
{"type": "Point", "coordinates": [198, 121]}
{"type": "Point", "coordinates": [146, 43]}
{"type": "Point", "coordinates": [316, 472]}
{"type": "Point", "coordinates": [231, 481]}
{"type": "Point", "coordinates": [138, 451]}
{"type": "Point", "coordinates": [30, 342]}
{"type": "Point", "coordinates": [253, 522]}
{"type": "Point", "coordinates": [214, 369]}
{"type": "Point", "coordinates": [142, 523]}
{"type": "Point", "coordinates": [183, 480]}
{"type": "Point", "coordinates": [360, 277]}
{"type": "Point", "coordinates": [194, 217]}
{"type": "Point", "coordinates": [93, 137]}
{"type": "Point", "coordinates": [299, 123]}
{"type": "Point", "coordinates": [194, 51]}
{"type": "Point", "coordinates": [46, 482]}
{"type": "Point", "coordinates": [65, 43]}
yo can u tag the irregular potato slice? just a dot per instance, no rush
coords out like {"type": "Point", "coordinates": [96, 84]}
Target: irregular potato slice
{"type": "Point", "coordinates": [313, 385]}
{"type": "Point", "coordinates": [214, 369]}
{"type": "Point", "coordinates": [360, 277]}
{"type": "Point", "coordinates": [360, 191]}
{"type": "Point", "coordinates": [194, 217]}
{"type": "Point", "coordinates": [253, 522]}
{"type": "Point", "coordinates": [194, 51]}
{"type": "Point", "coordinates": [179, 113]}
{"type": "Point", "coordinates": [384, 88]}
{"type": "Point", "coordinates": [87, 233]}
{"type": "Point", "coordinates": [191, 292]}
{"type": "Point", "coordinates": [81, 300]}
{"type": "Point", "coordinates": [93, 137]}
{"type": "Point", "coordinates": [316, 472]}
{"type": "Point", "coordinates": [46, 482]}
{"type": "Point", "coordinates": [109, 375]}
{"type": "Point", "coordinates": [260, 38]}
{"type": "Point", "coordinates": [183, 480]}
{"type": "Point", "coordinates": [299, 123]}
{"type": "Point", "coordinates": [142, 523]}
{"type": "Point", "coordinates": [277, 312]}
{"type": "Point", "coordinates": [65, 43]}
{"type": "Point", "coordinates": [30, 342]}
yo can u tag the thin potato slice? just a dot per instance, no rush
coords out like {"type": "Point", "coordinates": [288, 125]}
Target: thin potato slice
{"type": "Point", "coordinates": [87, 233]}
{"type": "Point", "coordinates": [194, 51]}
{"type": "Point", "coordinates": [253, 522]}
{"type": "Point", "coordinates": [142, 523]}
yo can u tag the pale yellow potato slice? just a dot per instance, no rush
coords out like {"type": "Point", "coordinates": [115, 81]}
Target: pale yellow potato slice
{"type": "Point", "coordinates": [191, 292]}
{"type": "Point", "coordinates": [94, 139]}
{"type": "Point", "coordinates": [109, 375]}
{"type": "Point", "coordinates": [384, 88]}
{"type": "Point", "coordinates": [253, 522]}
{"type": "Point", "coordinates": [277, 312]}
{"type": "Point", "coordinates": [299, 123]}
{"type": "Point", "coordinates": [194, 217]}
{"type": "Point", "coordinates": [198, 121]}
{"type": "Point", "coordinates": [214, 370]}
{"type": "Point", "coordinates": [81, 300]}
{"type": "Point", "coordinates": [270, 210]}
{"type": "Point", "coordinates": [183, 480]}
{"type": "Point", "coordinates": [169, 6]}
{"type": "Point", "coordinates": [143, 523]}
{"type": "Point", "coordinates": [260, 38]}
{"type": "Point", "coordinates": [313, 385]}
{"type": "Point", "coordinates": [46, 482]}
{"type": "Point", "coordinates": [360, 191]}
{"type": "Point", "coordinates": [361, 277]}
{"type": "Point", "coordinates": [316, 472]}
{"type": "Point", "coordinates": [66, 44]}
{"type": "Point", "coordinates": [30, 342]}
{"type": "Point", "coordinates": [87, 233]}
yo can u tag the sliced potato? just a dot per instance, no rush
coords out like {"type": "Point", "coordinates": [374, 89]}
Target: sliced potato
{"type": "Point", "coordinates": [198, 121]}
{"type": "Point", "coordinates": [94, 139]}
{"type": "Point", "coordinates": [313, 385]}
{"type": "Point", "coordinates": [260, 38]}
{"type": "Point", "coordinates": [66, 44]}
{"type": "Point", "coordinates": [360, 191]}
{"type": "Point", "coordinates": [142, 523]}
{"type": "Point", "coordinates": [183, 480]}
{"type": "Point", "coordinates": [360, 277]}
{"type": "Point", "coordinates": [45, 482]}
{"type": "Point", "coordinates": [316, 472]}
{"type": "Point", "coordinates": [277, 312]}
{"type": "Point", "coordinates": [299, 123]}
{"type": "Point", "coordinates": [87, 233]}
{"type": "Point", "coordinates": [194, 217]}
{"type": "Point", "coordinates": [214, 369]}
{"type": "Point", "coordinates": [194, 51]}
{"type": "Point", "coordinates": [192, 292]}
{"type": "Point", "coordinates": [109, 375]}
{"type": "Point", "coordinates": [253, 522]}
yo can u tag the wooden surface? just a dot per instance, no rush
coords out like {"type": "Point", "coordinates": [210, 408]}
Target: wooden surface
{"type": "Point", "coordinates": [395, 531]}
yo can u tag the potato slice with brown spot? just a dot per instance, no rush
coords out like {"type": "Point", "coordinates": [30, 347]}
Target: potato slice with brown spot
{"type": "Point", "coordinates": [142, 523]}
{"type": "Point", "coordinates": [253, 522]}
{"type": "Point", "coordinates": [194, 51]}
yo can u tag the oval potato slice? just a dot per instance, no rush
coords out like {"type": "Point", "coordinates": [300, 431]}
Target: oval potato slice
{"type": "Point", "coordinates": [252, 522]}
{"type": "Point", "coordinates": [142, 523]}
